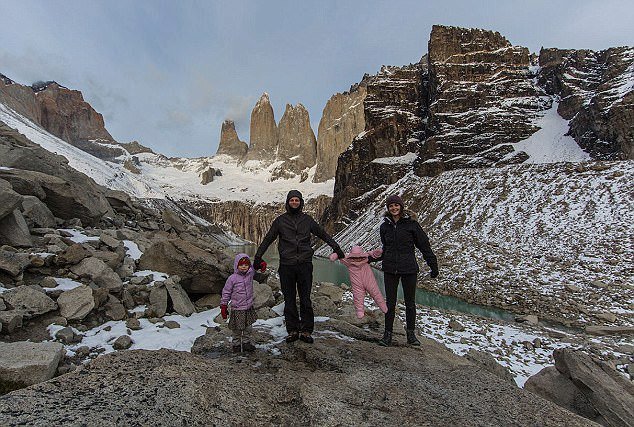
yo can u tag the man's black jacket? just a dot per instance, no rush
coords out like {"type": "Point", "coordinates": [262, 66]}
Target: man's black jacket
{"type": "Point", "coordinates": [294, 230]}
{"type": "Point", "coordinates": [399, 240]}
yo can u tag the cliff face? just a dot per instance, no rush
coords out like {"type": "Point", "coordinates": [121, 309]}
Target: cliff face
{"type": "Point", "coordinates": [394, 106]}
{"type": "Point", "coordinates": [470, 101]}
{"type": "Point", "coordinates": [343, 118]}
{"type": "Point", "coordinates": [597, 96]}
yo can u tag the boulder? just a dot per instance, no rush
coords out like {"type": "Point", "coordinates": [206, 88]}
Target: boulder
{"type": "Point", "coordinates": [114, 309]}
{"type": "Point", "coordinates": [200, 271]}
{"type": "Point", "coordinates": [550, 384]}
{"type": "Point", "coordinates": [13, 263]}
{"type": "Point", "coordinates": [37, 213]}
{"type": "Point", "coordinates": [27, 363]}
{"type": "Point", "coordinates": [170, 217]}
{"type": "Point", "coordinates": [72, 255]}
{"type": "Point", "coordinates": [133, 324]}
{"type": "Point", "coordinates": [109, 241]}
{"type": "Point", "coordinates": [489, 363]}
{"type": "Point", "coordinates": [67, 336]}
{"type": "Point", "coordinates": [171, 324]}
{"type": "Point", "coordinates": [11, 320]}
{"type": "Point", "coordinates": [9, 199]}
{"type": "Point", "coordinates": [122, 343]}
{"type": "Point", "coordinates": [330, 290]}
{"type": "Point", "coordinates": [263, 296]}
{"type": "Point", "coordinates": [158, 301]}
{"type": "Point", "coordinates": [609, 330]}
{"type": "Point", "coordinates": [208, 301]}
{"type": "Point", "coordinates": [75, 304]}
{"type": "Point", "coordinates": [14, 231]}
{"type": "Point", "coordinates": [99, 272]}
{"type": "Point", "coordinates": [31, 301]}
{"type": "Point", "coordinates": [609, 393]}
{"type": "Point", "coordinates": [180, 301]}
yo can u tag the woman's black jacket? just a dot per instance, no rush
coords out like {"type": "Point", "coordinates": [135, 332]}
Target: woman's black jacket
{"type": "Point", "coordinates": [399, 240]}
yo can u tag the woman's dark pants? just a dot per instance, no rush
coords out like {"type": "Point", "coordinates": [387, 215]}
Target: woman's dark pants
{"type": "Point", "coordinates": [296, 279]}
{"type": "Point", "coordinates": [409, 292]}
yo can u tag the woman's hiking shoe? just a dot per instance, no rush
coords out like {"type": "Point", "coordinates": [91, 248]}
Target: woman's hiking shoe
{"type": "Point", "coordinates": [292, 337]}
{"type": "Point", "coordinates": [386, 341]}
{"type": "Point", "coordinates": [306, 337]}
{"type": "Point", "coordinates": [411, 338]}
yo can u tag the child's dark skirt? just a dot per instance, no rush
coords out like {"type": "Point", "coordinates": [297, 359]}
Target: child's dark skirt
{"type": "Point", "coordinates": [242, 319]}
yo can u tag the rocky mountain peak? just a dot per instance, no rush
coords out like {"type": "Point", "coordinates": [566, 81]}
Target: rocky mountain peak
{"type": "Point", "coordinates": [297, 146]}
{"type": "Point", "coordinates": [230, 144]}
{"type": "Point", "coordinates": [445, 42]}
{"type": "Point", "coordinates": [263, 132]}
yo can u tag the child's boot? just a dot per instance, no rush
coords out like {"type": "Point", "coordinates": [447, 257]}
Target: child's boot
{"type": "Point", "coordinates": [411, 338]}
{"type": "Point", "coordinates": [247, 346]}
{"type": "Point", "coordinates": [386, 341]}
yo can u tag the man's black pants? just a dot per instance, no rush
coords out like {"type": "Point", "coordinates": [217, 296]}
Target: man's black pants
{"type": "Point", "coordinates": [297, 279]}
{"type": "Point", "coordinates": [409, 292]}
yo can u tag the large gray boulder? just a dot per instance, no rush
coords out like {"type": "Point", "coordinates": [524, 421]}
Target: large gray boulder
{"type": "Point", "coordinates": [9, 199]}
{"type": "Point", "coordinates": [29, 300]}
{"type": "Point", "coordinates": [332, 382]}
{"type": "Point", "coordinates": [14, 231]}
{"type": "Point", "coordinates": [263, 296]}
{"type": "Point", "coordinates": [180, 301]}
{"type": "Point", "coordinates": [37, 213]}
{"type": "Point", "coordinates": [99, 272]}
{"type": "Point", "coordinates": [65, 199]}
{"type": "Point", "coordinates": [608, 392]}
{"type": "Point", "coordinates": [551, 385]}
{"type": "Point", "coordinates": [200, 271]}
{"type": "Point", "coordinates": [158, 300]}
{"type": "Point", "coordinates": [13, 263]}
{"type": "Point", "coordinates": [11, 320]}
{"type": "Point", "coordinates": [26, 363]}
{"type": "Point", "coordinates": [76, 303]}
{"type": "Point", "coordinates": [488, 362]}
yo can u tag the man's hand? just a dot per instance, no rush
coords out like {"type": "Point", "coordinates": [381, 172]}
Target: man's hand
{"type": "Point", "coordinates": [340, 253]}
{"type": "Point", "coordinates": [433, 274]}
{"type": "Point", "coordinates": [262, 266]}
{"type": "Point", "coordinates": [223, 311]}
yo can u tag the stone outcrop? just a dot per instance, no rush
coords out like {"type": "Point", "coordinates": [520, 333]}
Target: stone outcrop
{"type": "Point", "coordinates": [263, 132]}
{"type": "Point", "coordinates": [26, 363]}
{"type": "Point", "coordinates": [230, 144]}
{"type": "Point", "coordinates": [585, 386]}
{"type": "Point", "coordinates": [75, 304]}
{"type": "Point", "coordinates": [333, 382]}
{"type": "Point", "coordinates": [29, 301]}
{"type": "Point", "coordinates": [342, 119]}
{"type": "Point", "coordinates": [297, 143]}
{"type": "Point", "coordinates": [596, 96]}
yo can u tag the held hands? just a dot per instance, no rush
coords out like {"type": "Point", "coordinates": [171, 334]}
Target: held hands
{"type": "Point", "coordinates": [223, 311]}
{"type": "Point", "coordinates": [258, 264]}
{"type": "Point", "coordinates": [262, 266]}
{"type": "Point", "coordinates": [333, 257]}
{"type": "Point", "coordinates": [340, 253]}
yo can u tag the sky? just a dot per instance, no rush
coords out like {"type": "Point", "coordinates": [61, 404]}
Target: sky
{"type": "Point", "coordinates": [167, 73]}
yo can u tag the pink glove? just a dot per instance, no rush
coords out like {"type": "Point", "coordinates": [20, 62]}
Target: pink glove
{"type": "Point", "coordinates": [376, 253]}
{"type": "Point", "coordinates": [262, 266]}
{"type": "Point", "coordinates": [333, 257]}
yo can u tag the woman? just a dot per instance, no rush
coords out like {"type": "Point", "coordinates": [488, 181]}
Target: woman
{"type": "Point", "coordinates": [400, 234]}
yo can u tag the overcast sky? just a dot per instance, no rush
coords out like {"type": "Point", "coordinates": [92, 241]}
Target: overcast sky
{"type": "Point", "coordinates": [167, 73]}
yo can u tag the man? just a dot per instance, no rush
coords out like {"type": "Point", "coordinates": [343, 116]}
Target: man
{"type": "Point", "coordinates": [294, 229]}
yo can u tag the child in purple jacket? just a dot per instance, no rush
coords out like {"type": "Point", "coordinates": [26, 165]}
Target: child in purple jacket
{"type": "Point", "coordinates": [239, 290]}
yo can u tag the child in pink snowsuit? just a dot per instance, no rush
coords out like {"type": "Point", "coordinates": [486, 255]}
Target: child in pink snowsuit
{"type": "Point", "coordinates": [361, 277]}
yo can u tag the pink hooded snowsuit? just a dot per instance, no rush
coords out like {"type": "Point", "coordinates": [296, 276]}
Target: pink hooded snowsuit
{"type": "Point", "coordinates": [361, 278]}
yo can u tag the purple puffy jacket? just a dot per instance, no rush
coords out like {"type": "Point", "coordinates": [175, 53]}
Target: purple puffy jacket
{"type": "Point", "coordinates": [239, 287]}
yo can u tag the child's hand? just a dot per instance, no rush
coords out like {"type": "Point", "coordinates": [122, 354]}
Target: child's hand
{"type": "Point", "coordinates": [333, 257]}
{"type": "Point", "coordinates": [223, 311]}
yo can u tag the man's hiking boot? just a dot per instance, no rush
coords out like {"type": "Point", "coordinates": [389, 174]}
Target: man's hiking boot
{"type": "Point", "coordinates": [386, 341]}
{"type": "Point", "coordinates": [237, 348]}
{"type": "Point", "coordinates": [292, 337]}
{"type": "Point", "coordinates": [306, 337]}
{"type": "Point", "coordinates": [247, 346]}
{"type": "Point", "coordinates": [411, 338]}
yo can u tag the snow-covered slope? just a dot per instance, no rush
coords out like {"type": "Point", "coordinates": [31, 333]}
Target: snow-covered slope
{"type": "Point", "coordinates": [176, 178]}
{"type": "Point", "coordinates": [518, 236]}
